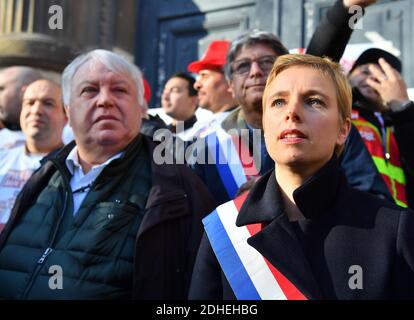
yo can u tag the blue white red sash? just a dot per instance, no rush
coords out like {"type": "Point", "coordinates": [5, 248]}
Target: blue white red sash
{"type": "Point", "coordinates": [250, 275]}
{"type": "Point", "coordinates": [233, 160]}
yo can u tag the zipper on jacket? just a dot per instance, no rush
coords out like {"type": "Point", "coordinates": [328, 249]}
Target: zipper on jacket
{"type": "Point", "coordinates": [46, 253]}
{"type": "Point", "coordinates": [44, 256]}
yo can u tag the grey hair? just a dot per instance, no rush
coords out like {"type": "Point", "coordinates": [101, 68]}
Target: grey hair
{"type": "Point", "coordinates": [112, 61]}
{"type": "Point", "coordinates": [248, 39]}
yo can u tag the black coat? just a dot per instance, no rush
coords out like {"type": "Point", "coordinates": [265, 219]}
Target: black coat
{"type": "Point", "coordinates": [343, 227]}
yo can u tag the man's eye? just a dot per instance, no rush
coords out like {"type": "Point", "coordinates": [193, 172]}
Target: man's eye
{"type": "Point", "coordinates": [242, 67]}
{"type": "Point", "coordinates": [120, 89]}
{"type": "Point", "coordinates": [89, 90]}
{"type": "Point", "coordinates": [266, 63]}
{"type": "Point", "coordinates": [278, 103]}
{"type": "Point", "coordinates": [49, 104]}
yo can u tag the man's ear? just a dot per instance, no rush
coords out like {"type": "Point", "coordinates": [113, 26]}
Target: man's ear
{"type": "Point", "coordinates": [67, 113]}
{"type": "Point", "coordinates": [230, 89]}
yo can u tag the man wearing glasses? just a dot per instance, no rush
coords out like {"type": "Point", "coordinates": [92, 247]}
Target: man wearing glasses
{"type": "Point", "coordinates": [236, 154]}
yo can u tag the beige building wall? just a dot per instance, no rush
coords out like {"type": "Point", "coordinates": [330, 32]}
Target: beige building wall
{"type": "Point", "coordinates": [26, 37]}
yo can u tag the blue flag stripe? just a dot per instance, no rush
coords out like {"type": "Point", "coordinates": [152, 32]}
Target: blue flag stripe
{"type": "Point", "coordinates": [229, 259]}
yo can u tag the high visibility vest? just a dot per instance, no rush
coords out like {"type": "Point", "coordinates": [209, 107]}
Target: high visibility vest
{"type": "Point", "coordinates": [387, 161]}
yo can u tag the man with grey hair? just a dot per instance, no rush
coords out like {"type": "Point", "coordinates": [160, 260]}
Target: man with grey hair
{"type": "Point", "coordinates": [13, 81]}
{"type": "Point", "coordinates": [117, 224]}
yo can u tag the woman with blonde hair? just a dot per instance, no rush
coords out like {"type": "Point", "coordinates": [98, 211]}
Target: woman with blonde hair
{"type": "Point", "coordinates": [302, 232]}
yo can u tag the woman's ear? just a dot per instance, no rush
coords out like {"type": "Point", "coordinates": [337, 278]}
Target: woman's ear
{"type": "Point", "coordinates": [344, 129]}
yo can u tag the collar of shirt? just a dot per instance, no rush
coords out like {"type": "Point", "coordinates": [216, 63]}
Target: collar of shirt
{"type": "Point", "coordinates": [81, 182]}
{"type": "Point", "coordinates": [72, 162]}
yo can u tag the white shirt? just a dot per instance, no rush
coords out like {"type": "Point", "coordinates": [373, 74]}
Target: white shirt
{"type": "Point", "coordinates": [16, 167]}
{"type": "Point", "coordinates": [202, 127]}
{"type": "Point", "coordinates": [10, 139]}
{"type": "Point", "coordinates": [81, 183]}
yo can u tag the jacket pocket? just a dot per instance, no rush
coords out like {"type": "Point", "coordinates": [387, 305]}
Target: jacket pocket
{"type": "Point", "coordinates": [114, 217]}
{"type": "Point", "coordinates": [108, 230]}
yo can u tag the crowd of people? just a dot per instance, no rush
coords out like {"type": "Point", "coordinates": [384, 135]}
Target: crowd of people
{"type": "Point", "coordinates": [302, 175]}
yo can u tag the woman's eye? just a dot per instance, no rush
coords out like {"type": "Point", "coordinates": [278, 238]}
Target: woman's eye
{"type": "Point", "coordinates": [316, 102]}
{"type": "Point", "coordinates": [277, 103]}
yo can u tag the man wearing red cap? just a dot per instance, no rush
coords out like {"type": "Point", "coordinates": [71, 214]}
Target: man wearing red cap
{"type": "Point", "coordinates": [212, 86]}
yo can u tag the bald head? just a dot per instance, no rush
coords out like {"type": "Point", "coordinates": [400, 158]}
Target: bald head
{"type": "Point", "coordinates": [12, 81]}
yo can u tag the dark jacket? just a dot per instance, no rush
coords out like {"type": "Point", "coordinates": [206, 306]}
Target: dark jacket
{"type": "Point", "coordinates": [344, 227]}
{"type": "Point", "coordinates": [169, 234]}
{"type": "Point", "coordinates": [152, 124]}
{"type": "Point", "coordinates": [332, 34]}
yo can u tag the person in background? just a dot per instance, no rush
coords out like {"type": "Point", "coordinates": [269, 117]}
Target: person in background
{"type": "Point", "coordinates": [42, 119]}
{"type": "Point", "coordinates": [13, 81]}
{"type": "Point", "coordinates": [179, 101]}
{"type": "Point", "coordinates": [384, 116]}
{"type": "Point", "coordinates": [212, 86]}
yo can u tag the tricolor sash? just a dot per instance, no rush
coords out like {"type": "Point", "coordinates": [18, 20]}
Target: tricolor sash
{"type": "Point", "coordinates": [233, 160]}
{"type": "Point", "coordinates": [249, 274]}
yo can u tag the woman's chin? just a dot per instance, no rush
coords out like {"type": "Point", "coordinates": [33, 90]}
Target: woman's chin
{"type": "Point", "coordinates": [293, 159]}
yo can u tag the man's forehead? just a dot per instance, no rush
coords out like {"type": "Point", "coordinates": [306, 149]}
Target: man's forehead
{"type": "Point", "coordinates": [254, 50]}
{"type": "Point", "coordinates": [92, 71]}
{"type": "Point", "coordinates": [42, 89]}
{"type": "Point", "coordinates": [211, 72]}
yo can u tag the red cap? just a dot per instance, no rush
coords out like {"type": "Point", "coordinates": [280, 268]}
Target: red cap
{"type": "Point", "coordinates": [213, 58]}
{"type": "Point", "coordinates": [147, 91]}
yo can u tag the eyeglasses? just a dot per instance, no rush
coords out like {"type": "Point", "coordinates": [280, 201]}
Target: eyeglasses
{"type": "Point", "coordinates": [243, 66]}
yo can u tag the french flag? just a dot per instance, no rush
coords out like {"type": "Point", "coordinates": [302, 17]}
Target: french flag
{"type": "Point", "coordinates": [233, 160]}
{"type": "Point", "coordinates": [250, 275]}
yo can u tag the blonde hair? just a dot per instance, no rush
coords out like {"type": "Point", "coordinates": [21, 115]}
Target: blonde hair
{"type": "Point", "coordinates": [328, 68]}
